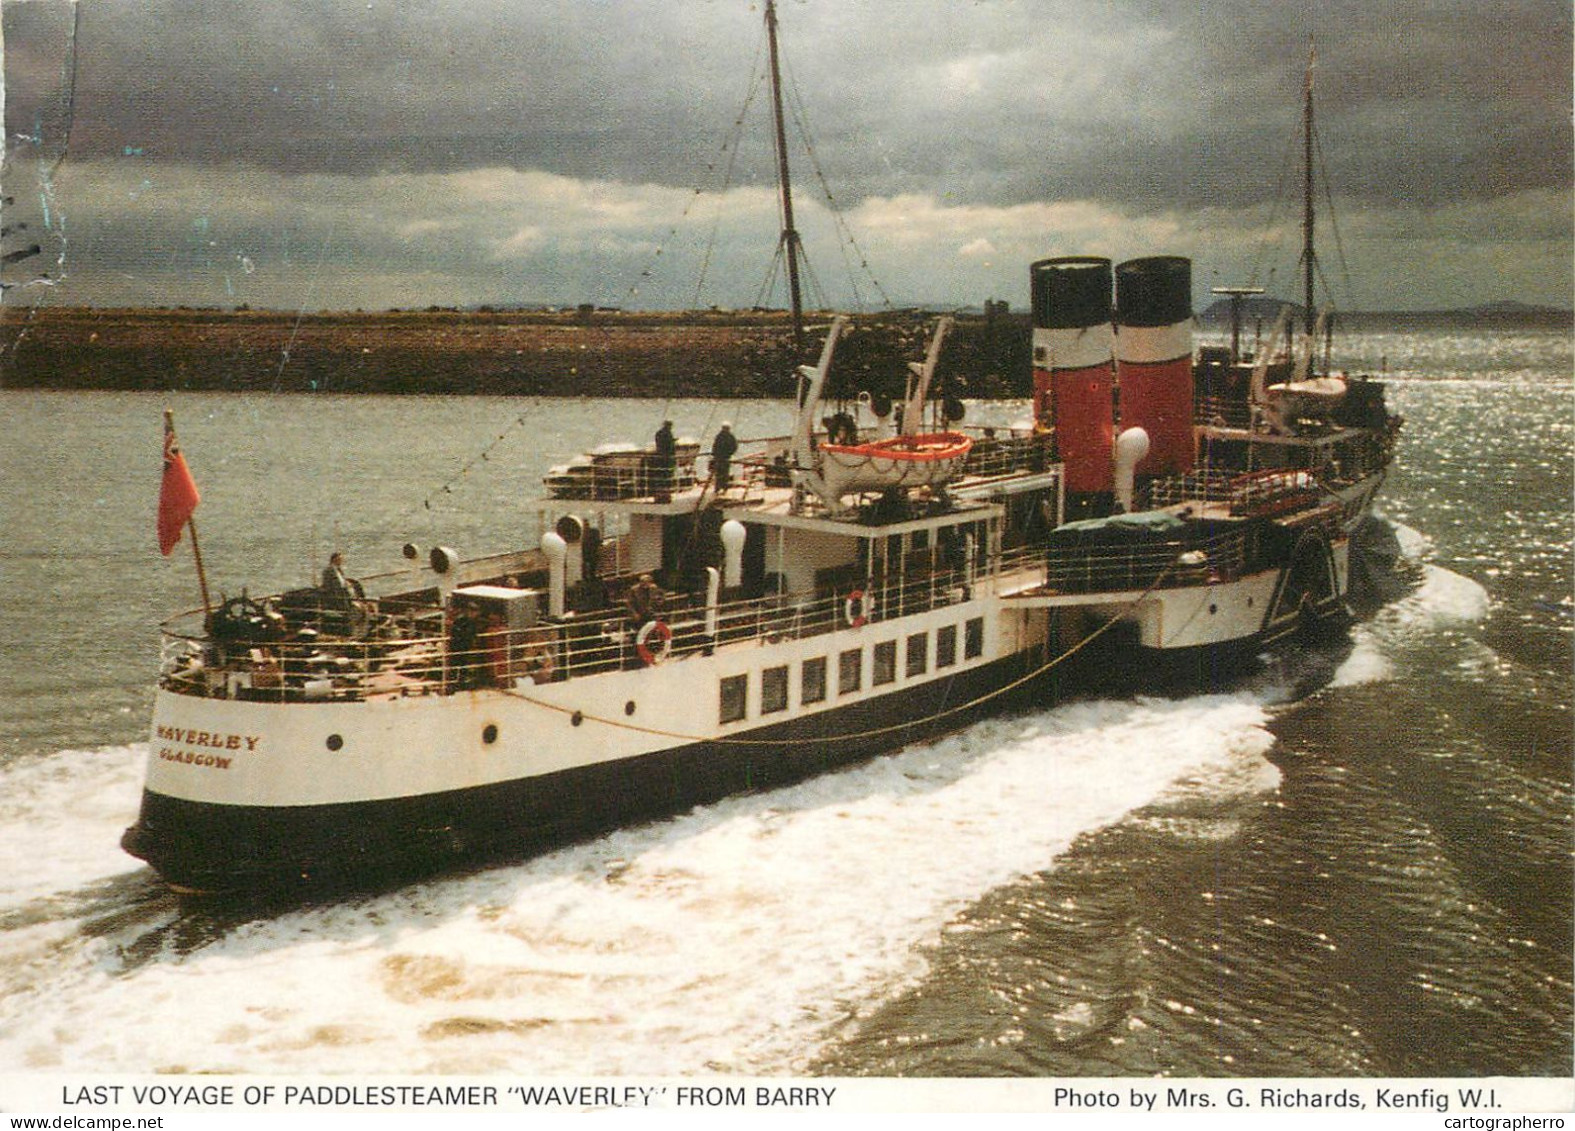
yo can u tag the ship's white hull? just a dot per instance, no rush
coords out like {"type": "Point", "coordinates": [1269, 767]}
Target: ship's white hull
{"type": "Point", "coordinates": [280, 754]}
{"type": "Point", "coordinates": [249, 794]}
{"type": "Point", "coordinates": [1251, 610]}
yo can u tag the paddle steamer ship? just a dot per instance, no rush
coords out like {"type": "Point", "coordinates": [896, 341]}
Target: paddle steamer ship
{"type": "Point", "coordinates": [675, 634]}
{"type": "Point", "coordinates": [832, 600]}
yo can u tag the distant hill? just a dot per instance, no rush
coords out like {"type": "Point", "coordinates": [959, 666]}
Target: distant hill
{"type": "Point", "coordinates": [1509, 306]}
{"type": "Point", "coordinates": [1504, 312]}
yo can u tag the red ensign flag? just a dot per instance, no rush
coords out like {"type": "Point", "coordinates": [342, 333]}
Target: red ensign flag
{"type": "Point", "coordinates": [177, 493]}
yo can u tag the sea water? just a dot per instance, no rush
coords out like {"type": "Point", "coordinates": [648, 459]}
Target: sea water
{"type": "Point", "coordinates": [1356, 862]}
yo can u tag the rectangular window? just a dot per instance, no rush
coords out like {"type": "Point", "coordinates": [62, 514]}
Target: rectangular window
{"type": "Point", "coordinates": [918, 654]}
{"type": "Point", "coordinates": [850, 671]}
{"type": "Point", "coordinates": [946, 646]}
{"type": "Point", "coordinates": [735, 698]}
{"type": "Point", "coordinates": [973, 639]}
{"type": "Point", "coordinates": [773, 690]}
{"type": "Point", "coordinates": [885, 663]}
{"type": "Point", "coordinates": [812, 682]}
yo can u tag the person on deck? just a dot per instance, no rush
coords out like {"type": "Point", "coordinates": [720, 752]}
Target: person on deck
{"type": "Point", "coordinates": [664, 463]}
{"type": "Point", "coordinates": [987, 454]}
{"type": "Point", "coordinates": [722, 451]}
{"type": "Point", "coordinates": [339, 590]}
{"type": "Point", "coordinates": [464, 648]}
{"type": "Point", "coordinates": [644, 600]}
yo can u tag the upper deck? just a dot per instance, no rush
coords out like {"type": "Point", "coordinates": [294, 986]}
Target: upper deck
{"type": "Point", "coordinates": [761, 559]}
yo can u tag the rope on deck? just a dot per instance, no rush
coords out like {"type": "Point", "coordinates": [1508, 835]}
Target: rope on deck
{"type": "Point", "coordinates": [876, 732]}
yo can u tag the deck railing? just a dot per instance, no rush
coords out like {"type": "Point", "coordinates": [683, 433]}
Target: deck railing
{"type": "Point", "coordinates": [406, 644]}
{"type": "Point", "coordinates": [418, 652]}
{"type": "Point", "coordinates": [1139, 564]}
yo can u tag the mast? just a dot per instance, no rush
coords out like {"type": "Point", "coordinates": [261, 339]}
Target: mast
{"type": "Point", "coordinates": [1237, 295]}
{"type": "Point", "coordinates": [1308, 255]}
{"type": "Point", "coordinates": [789, 239]}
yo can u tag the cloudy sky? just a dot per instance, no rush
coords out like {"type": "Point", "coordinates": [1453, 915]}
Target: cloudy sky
{"type": "Point", "coordinates": [328, 154]}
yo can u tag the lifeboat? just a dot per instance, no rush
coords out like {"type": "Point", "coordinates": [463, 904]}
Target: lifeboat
{"type": "Point", "coordinates": [926, 459]}
{"type": "Point", "coordinates": [1314, 397]}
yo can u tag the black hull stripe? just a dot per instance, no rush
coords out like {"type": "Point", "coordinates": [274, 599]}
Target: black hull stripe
{"type": "Point", "coordinates": [208, 847]}
{"type": "Point", "coordinates": [213, 847]}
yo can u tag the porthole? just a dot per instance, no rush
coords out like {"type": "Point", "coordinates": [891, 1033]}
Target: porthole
{"type": "Point", "coordinates": [577, 718]}
{"type": "Point", "coordinates": [628, 708]}
{"type": "Point", "coordinates": [1213, 609]}
{"type": "Point", "coordinates": [336, 742]}
{"type": "Point", "coordinates": [489, 733]}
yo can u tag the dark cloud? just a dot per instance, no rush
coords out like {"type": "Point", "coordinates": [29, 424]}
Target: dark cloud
{"type": "Point", "coordinates": [1144, 108]}
{"type": "Point", "coordinates": [1002, 101]}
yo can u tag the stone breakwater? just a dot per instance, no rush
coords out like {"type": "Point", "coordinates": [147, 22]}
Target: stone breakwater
{"type": "Point", "coordinates": [495, 353]}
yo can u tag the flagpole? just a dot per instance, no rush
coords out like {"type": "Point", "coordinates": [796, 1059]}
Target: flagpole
{"type": "Point", "coordinates": [202, 574]}
{"type": "Point", "coordinates": [191, 524]}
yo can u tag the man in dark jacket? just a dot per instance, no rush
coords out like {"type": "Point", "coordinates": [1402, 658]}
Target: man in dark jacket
{"type": "Point", "coordinates": [722, 449]}
{"type": "Point", "coordinates": [664, 463]}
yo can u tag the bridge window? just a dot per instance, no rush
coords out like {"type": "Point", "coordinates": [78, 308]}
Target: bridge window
{"type": "Point", "coordinates": [735, 698]}
{"type": "Point", "coordinates": [812, 681]}
{"type": "Point", "coordinates": [850, 671]}
{"type": "Point", "coordinates": [885, 663]}
{"type": "Point", "coordinates": [946, 646]}
{"type": "Point", "coordinates": [773, 690]}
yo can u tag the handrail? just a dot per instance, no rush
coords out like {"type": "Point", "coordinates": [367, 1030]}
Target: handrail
{"type": "Point", "coordinates": [1122, 567]}
{"type": "Point", "coordinates": [400, 659]}
{"type": "Point", "coordinates": [407, 645]}
{"type": "Point", "coordinates": [420, 653]}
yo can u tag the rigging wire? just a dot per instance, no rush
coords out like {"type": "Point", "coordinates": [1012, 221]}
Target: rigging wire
{"type": "Point", "coordinates": [1334, 222]}
{"type": "Point", "coordinates": [800, 118]}
{"type": "Point", "coordinates": [795, 108]}
{"type": "Point", "coordinates": [773, 272]}
{"type": "Point", "coordinates": [1273, 238]}
{"type": "Point", "coordinates": [730, 146]}
{"type": "Point", "coordinates": [814, 287]}
{"type": "Point", "coordinates": [484, 456]}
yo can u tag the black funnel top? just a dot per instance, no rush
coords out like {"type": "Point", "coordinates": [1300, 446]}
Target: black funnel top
{"type": "Point", "coordinates": [1071, 292]}
{"type": "Point", "coordinates": [1156, 291]}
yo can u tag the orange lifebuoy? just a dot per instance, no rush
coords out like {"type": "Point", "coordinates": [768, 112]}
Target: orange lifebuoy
{"type": "Point", "coordinates": [857, 608]}
{"type": "Point", "coordinates": [653, 642]}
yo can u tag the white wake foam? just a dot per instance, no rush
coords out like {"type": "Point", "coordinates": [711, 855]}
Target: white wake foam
{"type": "Point", "coordinates": [1443, 599]}
{"type": "Point", "coordinates": [65, 815]}
{"type": "Point", "coordinates": [735, 938]}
